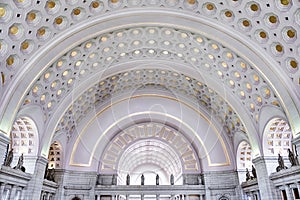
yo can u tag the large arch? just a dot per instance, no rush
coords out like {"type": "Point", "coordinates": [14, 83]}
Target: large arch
{"type": "Point", "coordinates": [149, 157]}
{"type": "Point", "coordinates": [172, 17]}
{"type": "Point", "coordinates": [185, 157]}
{"type": "Point", "coordinates": [213, 150]}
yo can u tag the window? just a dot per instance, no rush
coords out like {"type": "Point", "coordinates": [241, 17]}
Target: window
{"type": "Point", "coordinates": [24, 137]}
{"type": "Point", "coordinates": [278, 137]}
{"type": "Point", "coordinates": [54, 156]}
{"type": "Point", "coordinates": [244, 159]}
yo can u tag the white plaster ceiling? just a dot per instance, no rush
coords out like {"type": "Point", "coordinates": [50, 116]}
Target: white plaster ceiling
{"type": "Point", "coordinates": [232, 58]}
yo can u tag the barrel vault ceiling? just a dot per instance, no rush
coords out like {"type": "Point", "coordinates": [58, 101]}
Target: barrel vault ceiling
{"type": "Point", "coordinates": [228, 59]}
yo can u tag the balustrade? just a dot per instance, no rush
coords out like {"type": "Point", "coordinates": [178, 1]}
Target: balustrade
{"type": "Point", "coordinates": [150, 192]}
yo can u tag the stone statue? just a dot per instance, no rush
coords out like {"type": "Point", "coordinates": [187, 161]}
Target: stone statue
{"type": "Point", "coordinates": [127, 179]}
{"type": "Point", "coordinates": [46, 171]}
{"type": "Point", "coordinates": [199, 180]}
{"type": "Point", "coordinates": [254, 172]}
{"type": "Point", "coordinates": [9, 158]}
{"type": "Point", "coordinates": [292, 158]}
{"type": "Point", "coordinates": [20, 163]}
{"type": "Point", "coordinates": [142, 179]}
{"type": "Point", "coordinates": [114, 180]}
{"type": "Point", "coordinates": [185, 180]}
{"type": "Point", "coordinates": [280, 163]}
{"type": "Point", "coordinates": [172, 179]}
{"type": "Point", "coordinates": [157, 179]}
{"type": "Point", "coordinates": [50, 174]}
{"type": "Point", "coordinates": [248, 177]}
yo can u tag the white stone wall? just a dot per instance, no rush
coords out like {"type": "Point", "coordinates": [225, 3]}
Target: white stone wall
{"type": "Point", "coordinates": [75, 183]}
{"type": "Point", "coordinates": [222, 183]}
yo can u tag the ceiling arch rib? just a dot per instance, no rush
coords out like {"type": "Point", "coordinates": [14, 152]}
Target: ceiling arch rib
{"type": "Point", "coordinates": [227, 14]}
{"type": "Point", "coordinates": [128, 82]}
{"type": "Point", "coordinates": [202, 54]}
{"type": "Point", "coordinates": [128, 139]}
{"type": "Point", "coordinates": [149, 151]}
{"type": "Point", "coordinates": [14, 101]}
{"type": "Point", "coordinates": [209, 141]}
{"type": "Point", "coordinates": [76, 95]}
{"type": "Point", "coordinates": [174, 52]}
{"type": "Point", "coordinates": [154, 156]}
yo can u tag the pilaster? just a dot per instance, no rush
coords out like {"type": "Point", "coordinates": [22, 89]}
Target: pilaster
{"type": "Point", "coordinates": [266, 188]}
{"type": "Point", "coordinates": [35, 185]}
{"type": "Point", "coordinates": [296, 142]}
{"type": "Point", "coordinates": [4, 141]}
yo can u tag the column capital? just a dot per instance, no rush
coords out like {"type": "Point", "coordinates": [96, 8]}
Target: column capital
{"type": "Point", "coordinates": [4, 138]}
{"type": "Point", "coordinates": [296, 141]}
{"type": "Point", "coordinates": [42, 160]}
{"type": "Point", "coordinates": [258, 160]}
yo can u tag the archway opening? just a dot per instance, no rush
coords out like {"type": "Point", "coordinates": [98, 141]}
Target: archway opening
{"type": "Point", "coordinates": [151, 159]}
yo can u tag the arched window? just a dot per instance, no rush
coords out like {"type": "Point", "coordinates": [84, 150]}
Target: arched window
{"type": "Point", "coordinates": [277, 138]}
{"type": "Point", "coordinates": [24, 137]}
{"type": "Point", "coordinates": [55, 156]}
{"type": "Point", "coordinates": [244, 160]}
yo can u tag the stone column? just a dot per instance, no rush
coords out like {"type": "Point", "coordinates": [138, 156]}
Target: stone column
{"type": "Point", "coordinates": [266, 188]}
{"type": "Point", "coordinates": [22, 193]}
{"type": "Point", "coordinates": [258, 195]}
{"type": "Point", "coordinates": [288, 192]}
{"type": "Point", "coordinates": [48, 196]}
{"type": "Point", "coordinates": [8, 189]}
{"type": "Point", "coordinates": [2, 189]}
{"type": "Point", "coordinates": [36, 182]}
{"type": "Point", "coordinates": [296, 142]}
{"type": "Point", "coordinates": [13, 193]}
{"type": "Point", "coordinates": [252, 195]}
{"type": "Point", "coordinates": [4, 141]}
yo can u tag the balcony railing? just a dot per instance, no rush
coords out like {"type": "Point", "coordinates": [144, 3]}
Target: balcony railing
{"type": "Point", "coordinates": [150, 192]}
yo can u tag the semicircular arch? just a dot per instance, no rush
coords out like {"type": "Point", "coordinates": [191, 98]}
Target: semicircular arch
{"type": "Point", "coordinates": [182, 150]}
{"type": "Point", "coordinates": [211, 149]}
{"type": "Point", "coordinates": [219, 30]}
